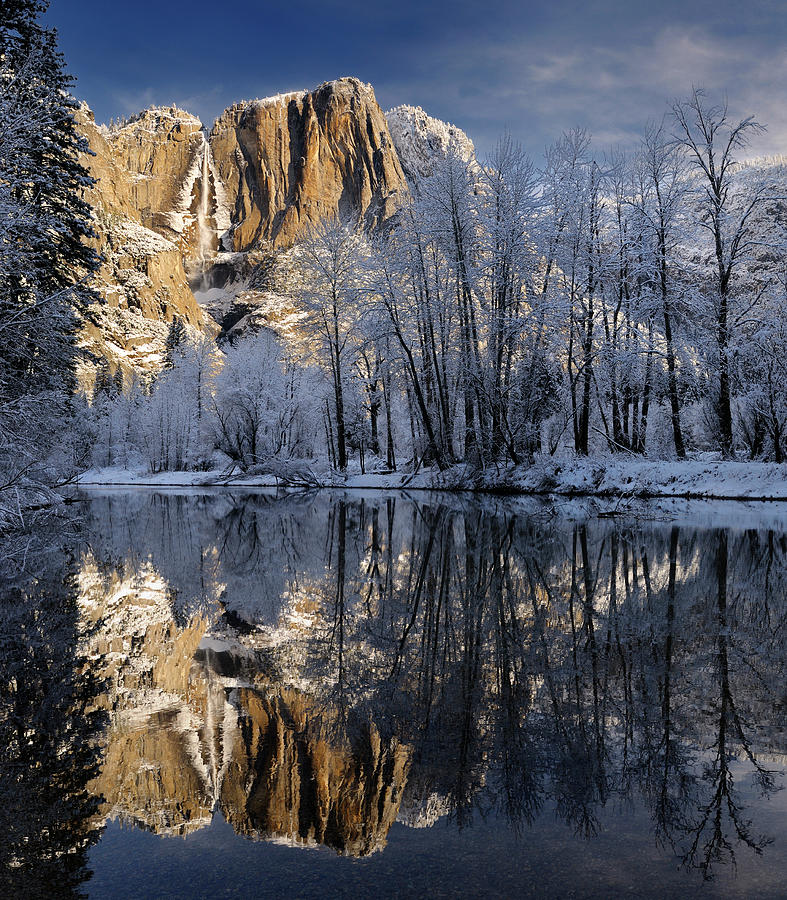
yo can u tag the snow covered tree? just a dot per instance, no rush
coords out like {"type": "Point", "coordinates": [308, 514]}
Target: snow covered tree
{"type": "Point", "coordinates": [45, 262]}
{"type": "Point", "coordinates": [450, 207]}
{"type": "Point", "coordinates": [46, 217]}
{"type": "Point", "coordinates": [762, 401]}
{"type": "Point", "coordinates": [711, 142]}
{"type": "Point", "coordinates": [512, 310]}
{"type": "Point", "coordinates": [265, 407]}
{"type": "Point", "coordinates": [175, 337]}
{"type": "Point", "coordinates": [331, 259]}
{"type": "Point", "coordinates": [176, 432]}
{"type": "Point", "coordinates": [580, 262]}
{"type": "Point", "coordinates": [660, 207]}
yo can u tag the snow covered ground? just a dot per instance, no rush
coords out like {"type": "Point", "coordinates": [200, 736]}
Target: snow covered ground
{"type": "Point", "coordinates": [625, 477]}
{"type": "Point", "coordinates": [611, 477]}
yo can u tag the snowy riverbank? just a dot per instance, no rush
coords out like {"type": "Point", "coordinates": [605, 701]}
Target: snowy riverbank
{"type": "Point", "coordinates": [609, 477]}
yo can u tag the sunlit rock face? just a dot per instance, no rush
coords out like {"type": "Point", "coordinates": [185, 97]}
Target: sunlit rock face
{"type": "Point", "coordinates": [292, 160]}
{"type": "Point", "coordinates": [169, 200]}
{"type": "Point", "coordinates": [144, 231]}
{"type": "Point", "coordinates": [155, 150]}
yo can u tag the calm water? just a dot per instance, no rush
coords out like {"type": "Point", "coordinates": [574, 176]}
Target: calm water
{"type": "Point", "coordinates": [221, 695]}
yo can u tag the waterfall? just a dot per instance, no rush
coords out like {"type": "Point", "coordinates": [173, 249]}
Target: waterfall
{"type": "Point", "coordinates": [205, 233]}
{"type": "Point", "coordinates": [206, 218]}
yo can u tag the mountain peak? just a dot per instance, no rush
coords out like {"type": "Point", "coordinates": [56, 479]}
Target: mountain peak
{"type": "Point", "coordinates": [156, 118]}
{"type": "Point", "coordinates": [420, 139]}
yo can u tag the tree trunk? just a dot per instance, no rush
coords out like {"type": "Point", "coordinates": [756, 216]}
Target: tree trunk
{"type": "Point", "coordinates": [725, 405]}
{"type": "Point", "coordinates": [672, 384]}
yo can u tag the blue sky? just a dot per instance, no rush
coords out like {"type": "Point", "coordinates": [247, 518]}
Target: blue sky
{"type": "Point", "coordinates": [534, 68]}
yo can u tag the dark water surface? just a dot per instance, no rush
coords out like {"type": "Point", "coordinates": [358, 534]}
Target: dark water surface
{"type": "Point", "coordinates": [238, 695]}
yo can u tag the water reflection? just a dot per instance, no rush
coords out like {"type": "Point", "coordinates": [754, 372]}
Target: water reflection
{"type": "Point", "coordinates": [49, 724]}
{"type": "Point", "coordinates": [318, 668]}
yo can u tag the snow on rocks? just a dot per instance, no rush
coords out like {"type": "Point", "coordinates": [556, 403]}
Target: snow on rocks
{"type": "Point", "coordinates": [134, 239]}
{"type": "Point", "coordinates": [153, 119]}
{"type": "Point", "coordinates": [275, 99]}
{"type": "Point", "coordinates": [420, 139]}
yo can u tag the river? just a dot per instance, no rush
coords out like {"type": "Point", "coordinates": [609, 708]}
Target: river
{"type": "Point", "coordinates": [219, 694]}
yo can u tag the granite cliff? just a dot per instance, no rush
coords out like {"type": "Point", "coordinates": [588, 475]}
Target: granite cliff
{"type": "Point", "coordinates": [179, 208]}
{"type": "Point", "coordinates": [292, 160]}
{"type": "Point", "coordinates": [139, 171]}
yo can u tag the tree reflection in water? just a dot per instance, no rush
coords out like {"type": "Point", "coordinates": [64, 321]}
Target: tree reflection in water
{"type": "Point", "coordinates": [364, 660]}
{"type": "Point", "coordinates": [49, 724]}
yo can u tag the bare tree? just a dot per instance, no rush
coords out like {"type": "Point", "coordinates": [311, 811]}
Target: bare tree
{"type": "Point", "coordinates": [661, 205]}
{"type": "Point", "coordinates": [332, 268]}
{"type": "Point", "coordinates": [711, 142]}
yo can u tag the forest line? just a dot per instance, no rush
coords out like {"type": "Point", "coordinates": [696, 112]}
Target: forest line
{"type": "Point", "coordinates": [633, 303]}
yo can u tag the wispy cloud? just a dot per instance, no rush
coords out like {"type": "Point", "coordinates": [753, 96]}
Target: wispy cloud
{"type": "Point", "coordinates": [130, 102]}
{"type": "Point", "coordinates": [532, 67]}
{"type": "Point", "coordinates": [538, 89]}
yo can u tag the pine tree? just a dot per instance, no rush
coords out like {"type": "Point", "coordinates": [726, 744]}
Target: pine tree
{"type": "Point", "coordinates": [175, 337]}
{"type": "Point", "coordinates": [45, 221]}
{"type": "Point", "coordinates": [108, 384]}
{"type": "Point", "coordinates": [46, 218]}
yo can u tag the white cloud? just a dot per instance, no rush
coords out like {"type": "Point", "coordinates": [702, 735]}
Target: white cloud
{"type": "Point", "coordinates": [539, 88]}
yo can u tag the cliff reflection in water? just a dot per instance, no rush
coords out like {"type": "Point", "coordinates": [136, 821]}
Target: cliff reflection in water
{"type": "Point", "coordinates": [317, 668]}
